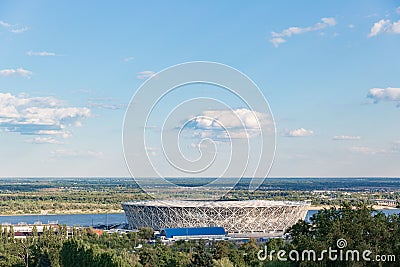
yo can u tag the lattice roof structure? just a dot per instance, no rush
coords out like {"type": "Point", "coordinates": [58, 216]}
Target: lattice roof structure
{"type": "Point", "coordinates": [250, 216]}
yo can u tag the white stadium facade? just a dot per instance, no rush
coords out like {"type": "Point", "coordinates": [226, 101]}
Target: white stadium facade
{"type": "Point", "coordinates": [250, 216]}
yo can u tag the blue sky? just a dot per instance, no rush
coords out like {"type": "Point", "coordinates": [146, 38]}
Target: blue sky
{"type": "Point", "coordinates": [329, 70]}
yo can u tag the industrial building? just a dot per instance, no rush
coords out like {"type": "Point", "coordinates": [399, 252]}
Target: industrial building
{"type": "Point", "coordinates": [175, 234]}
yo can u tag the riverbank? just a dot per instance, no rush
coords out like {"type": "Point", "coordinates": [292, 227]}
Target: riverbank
{"type": "Point", "coordinates": [67, 219]}
{"type": "Point", "coordinates": [375, 207]}
{"type": "Point", "coordinates": [64, 212]}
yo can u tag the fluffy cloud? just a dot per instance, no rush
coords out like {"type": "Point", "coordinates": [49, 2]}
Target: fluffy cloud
{"type": "Point", "coordinates": [5, 24]}
{"type": "Point", "coordinates": [145, 74]}
{"type": "Point", "coordinates": [236, 118]}
{"type": "Point", "coordinates": [20, 30]}
{"type": "Point", "coordinates": [225, 124]}
{"type": "Point", "coordinates": [42, 116]}
{"type": "Point", "coordinates": [346, 137]}
{"type": "Point", "coordinates": [279, 37]}
{"type": "Point", "coordinates": [301, 132]}
{"type": "Point", "coordinates": [14, 28]}
{"type": "Point", "coordinates": [41, 54]}
{"type": "Point", "coordinates": [15, 72]}
{"type": "Point", "coordinates": [389, 94]}
{"type": "Point", "coordinates": [384, 26]}
{"type": "Point", "coordinates": [276, 41]}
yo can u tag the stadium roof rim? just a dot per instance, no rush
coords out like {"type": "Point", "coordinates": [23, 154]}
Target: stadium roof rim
{"type": "Point", "coordinates": [214, 204]}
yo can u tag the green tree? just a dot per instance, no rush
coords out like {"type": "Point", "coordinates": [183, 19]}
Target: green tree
{"type": "Point", "coordinates": [146, 233]}
{"type": "Point", "coordinates": [148, 256]}
{"type": "Point", "coordinates": [250, 250]}
{"type": "Point", "coordinates": [223, 262]}
{"type": "Point", "coordinates": [222, 249]}
{"type": "Point", "coordinates": [237, 257]}
{"type": "Point", "coordinates": [201, 257]}
{"type": "Point", "coordinates": [361, 227]}
{"type": "Point", "coordinates": [44, 260]}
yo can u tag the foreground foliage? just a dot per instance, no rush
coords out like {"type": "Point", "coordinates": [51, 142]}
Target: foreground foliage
{"type": "Point", "coordinates": [362, 228]}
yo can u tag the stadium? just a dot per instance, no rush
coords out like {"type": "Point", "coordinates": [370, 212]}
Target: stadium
{"type": "Point", "coordinates": [250, 216]}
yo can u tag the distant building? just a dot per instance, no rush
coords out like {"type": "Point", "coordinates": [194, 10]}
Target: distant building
{"type": "Point", "coordinates": [193, 233]}
{"type": "Point", "coordinates": [386, 202]}
{"type": "Point", "coordinates": [23, 230]}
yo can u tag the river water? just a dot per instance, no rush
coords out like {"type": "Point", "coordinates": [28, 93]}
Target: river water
{"type": "Point", "coordinates": [68, 219]}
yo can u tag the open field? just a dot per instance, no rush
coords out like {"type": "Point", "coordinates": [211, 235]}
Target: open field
{"type": "Point", "coordinates": [64, 196]}
{"type": "Point", "coordinates": [104, 195]}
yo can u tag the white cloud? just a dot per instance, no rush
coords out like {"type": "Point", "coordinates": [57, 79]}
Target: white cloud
{"type": "Point", "coordinates": [20, 30]}
{"type": "Point", "coordinates": [363, 150]}
{"type": "Point", "coordinates": [301, 132]}
{"type": "Point", "coordinates": [224, 124]}
{"type": "Point", "coordinates": [44, 140]}
{"type": "Point", "coordinates": [39, 115]}
{"type": "Point", "coordinates": [276, 41]}
{"type": "Point", "coordinates": [61, 133]}
{"type": "Point", "coordinates": [5, 24]}
{"type": "Point", "coordinates": [389, 94]}
{"type": "Point", "coordinates": [236, 118]}
{"type": "Point", "coordinates": [65, 153]}
{"type": "Point", "coordinates": [14, 28]}
{"type": "Point", "coordinates": [145, 74]}
{"type": "Point", "coordinates": [398, 10]}
{"type": "Point", "coordinates": [127, 59]}
{"type": "Point", "coordinates": [279, 37]}
{"type": "Point", "coordinates": [351, 26]}
{"type": "Point", "coordinates": [384, 26]}
{"type": "Point", "coordinates": [199, 145]}
{"type": "Point", "coordinates": [394, 148]}
{"type": "Point", "coordinates": [41, 54]}
{"type": "Point", "coordinates": [346, 137]}
{"type": "Point", "coordinates": [15, 72]}
{"type": "Point", "coordinates": [378, 27]}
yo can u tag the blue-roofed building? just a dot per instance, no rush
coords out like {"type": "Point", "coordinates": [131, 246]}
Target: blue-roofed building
{"type": "Point", "coordinates": [193, 233]}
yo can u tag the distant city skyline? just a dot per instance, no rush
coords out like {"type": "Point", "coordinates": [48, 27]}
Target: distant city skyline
{"type": "Point", "coordinates": [329, 71]}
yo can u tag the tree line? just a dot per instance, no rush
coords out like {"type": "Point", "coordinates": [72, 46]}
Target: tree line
{"type": "Point", "coordinates": [360, 226]}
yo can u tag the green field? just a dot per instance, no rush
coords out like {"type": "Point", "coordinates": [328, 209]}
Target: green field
{"type": "Point", "coordinates": [104, 195]}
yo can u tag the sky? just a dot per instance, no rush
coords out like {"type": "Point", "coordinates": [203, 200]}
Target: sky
{"type": "Point", "coordinates": [330, 71]}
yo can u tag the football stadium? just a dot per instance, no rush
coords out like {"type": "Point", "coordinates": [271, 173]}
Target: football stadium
{"type": "Point", "coordinates": [250, 216]}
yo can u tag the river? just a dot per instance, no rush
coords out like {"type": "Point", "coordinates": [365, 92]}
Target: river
{"type": "Point", "coordinates": [68, 219]}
